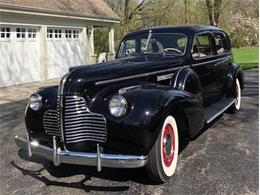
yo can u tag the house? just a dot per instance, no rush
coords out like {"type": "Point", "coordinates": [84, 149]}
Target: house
{"type": "Point", "coordinates": [41, 39]}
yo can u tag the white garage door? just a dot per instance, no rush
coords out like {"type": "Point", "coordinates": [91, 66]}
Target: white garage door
{"type": "Point", "coordinates": [19, 55]}
{"type": "Point", "coordinates": [64, 50]}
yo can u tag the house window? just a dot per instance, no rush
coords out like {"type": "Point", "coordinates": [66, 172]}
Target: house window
{"type": "Point", "coordinates": [32, 33]}
{"type": "Point", "coordinates": [75, 34]}
{"type": "Point", "coordinates": [5, 33]}
{"type": "Point", "coordinates": [68, 34]}
{"type": "Point", "coordinates": [20, 33]}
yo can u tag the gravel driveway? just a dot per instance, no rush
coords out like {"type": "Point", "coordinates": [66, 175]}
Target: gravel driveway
{"type": "Point", "coordinates": [223, 160]}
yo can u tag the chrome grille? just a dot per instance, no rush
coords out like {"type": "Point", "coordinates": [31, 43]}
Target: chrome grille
{"type": "Point", "coordinates": [51, 122]}
{"type": "Point", "coordinates": [80, 124]}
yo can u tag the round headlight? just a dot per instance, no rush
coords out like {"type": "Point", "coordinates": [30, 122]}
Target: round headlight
{"type": "Point", "coordinates": [118, 106]}
{"type": "Point", "coordinates": [35, 102]}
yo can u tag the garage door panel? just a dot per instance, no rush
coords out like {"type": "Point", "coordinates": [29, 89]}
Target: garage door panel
{"type": "Point", "coordinates": [19, 58]}
{"type": "Point", "coordinates": [64, 51]}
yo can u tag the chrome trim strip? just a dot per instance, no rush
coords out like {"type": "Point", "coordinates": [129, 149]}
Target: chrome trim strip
{"type": "Point", "coordinates": [184, 81]}
{"type": "Point", "coordinates": [155, 72]}
{"type": "Point", "coordinates": [220, 112]}
{"type": "Point", "coordinates": [176, 78]}
{"type": "Point", "coordinates": [138, 75]}
{"type": "Point", "coordinates": [83, 158]}
{"type": "Point", "coordinates": [202, 63]}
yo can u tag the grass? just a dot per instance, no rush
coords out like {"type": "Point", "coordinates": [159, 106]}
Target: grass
{"type": "Point", "coordinates": [246, 57]}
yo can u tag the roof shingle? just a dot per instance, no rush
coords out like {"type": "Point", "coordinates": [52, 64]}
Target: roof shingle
{"type": "Point", "coordinates": [88, 8]}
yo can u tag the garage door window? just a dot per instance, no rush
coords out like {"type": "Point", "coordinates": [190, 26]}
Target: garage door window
{"type": "Point", "coordinates": [20, 33]}
{"type": "Point", "coordinates": [68, 34]}
{"type": "Point", "coordinates": [32, 33]}
{"type": "Point", "coordinates": [49, 33]}
{"type": "Point", "coordinates": [57, 34]}
{"type": "Point", "coordinates": [75, 34]}
{"type": "Point", "coordinates": [5, 33]}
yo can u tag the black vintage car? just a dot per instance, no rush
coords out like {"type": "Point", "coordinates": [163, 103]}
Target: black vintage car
{"type": "Point", "coordinates": [164, 86]}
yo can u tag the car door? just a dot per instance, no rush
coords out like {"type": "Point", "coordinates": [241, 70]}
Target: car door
{"type": "Point", "coordinates": [222, 50]}
{"type": "Point", "coordinates": [204, 63]}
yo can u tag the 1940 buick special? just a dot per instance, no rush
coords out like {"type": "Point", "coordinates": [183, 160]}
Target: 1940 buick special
{"type": "Point", "coordinates": [163, 87]}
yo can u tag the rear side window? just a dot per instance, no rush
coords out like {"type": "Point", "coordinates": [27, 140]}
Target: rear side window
{"type": "Point", "coordinates": [221, 43]}
{"type": "Point", "coordinates": [202, 46]}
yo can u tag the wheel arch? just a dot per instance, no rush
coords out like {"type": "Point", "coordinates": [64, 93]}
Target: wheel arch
{"type": "Point", "coordinates": [234, 72]}
{"type": "Point", "coordinates": [183, 126]}
{"type": "Point", "coordinates": [240, 77]}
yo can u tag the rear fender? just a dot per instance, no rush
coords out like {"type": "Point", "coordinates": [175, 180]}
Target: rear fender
{"type": "Point", "coordinates": [234, 72]}
{"type": "Point", "coordinates": [187, 79]}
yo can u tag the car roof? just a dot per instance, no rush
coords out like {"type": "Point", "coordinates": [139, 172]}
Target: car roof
{"type": "Point", "coordinates": [185, 29]}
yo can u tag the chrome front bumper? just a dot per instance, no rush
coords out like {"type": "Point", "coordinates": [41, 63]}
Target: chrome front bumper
{"type": "Point", "coordinates": [98, 159]}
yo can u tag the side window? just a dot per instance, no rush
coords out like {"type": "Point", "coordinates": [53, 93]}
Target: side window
{"type": "Point", "coordinates": [221, 44]}
{"type": "Point", "coordinates": [130, 47]}
{"type": "Point", "coordinates": [143, 44]}
{"type": "Point", "coordinates": [202, 46]}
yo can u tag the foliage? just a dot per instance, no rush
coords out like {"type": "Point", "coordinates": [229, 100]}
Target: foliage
{"type": "Point", "coordinates": [239, 18]}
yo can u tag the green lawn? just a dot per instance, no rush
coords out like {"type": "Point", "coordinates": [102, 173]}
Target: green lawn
{"type": "Point", "coordinates": [247, 57]}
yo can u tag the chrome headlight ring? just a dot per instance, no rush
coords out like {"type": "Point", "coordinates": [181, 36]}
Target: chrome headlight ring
{"type": "Point", "coordinates": [118, 106]}
{"type": "Point", "coordinates": [35, 102]}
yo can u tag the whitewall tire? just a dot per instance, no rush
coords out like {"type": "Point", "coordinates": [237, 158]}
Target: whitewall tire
{"type": "Point", "coordinates": [237, 95]}
{"type": "Point", "coordinates": [163, 156]}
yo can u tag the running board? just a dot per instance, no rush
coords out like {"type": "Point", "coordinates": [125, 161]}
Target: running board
{"type": "Point", "coordinates": [216, 109]}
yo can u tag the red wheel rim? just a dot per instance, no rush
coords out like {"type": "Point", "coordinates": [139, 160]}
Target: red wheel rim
{"type": "Point", "coordinates": [168, 146]}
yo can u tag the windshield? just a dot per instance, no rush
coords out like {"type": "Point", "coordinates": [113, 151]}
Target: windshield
{"type": "Point", "coordinates": [170, 43]}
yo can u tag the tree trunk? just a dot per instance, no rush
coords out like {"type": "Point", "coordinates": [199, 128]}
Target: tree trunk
{"type": "Point", "coordinates": [210, 14]}
{"type": "Point", "coordinates": [185, 11]}
{"type": "Point", "coordinates": [217, 5]}
{"type": "Point", "coordinates": [126, 17]}
{"type": "Point", "coordinates": [213, 10]}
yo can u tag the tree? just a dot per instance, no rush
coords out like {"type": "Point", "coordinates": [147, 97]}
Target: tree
{"type": "Point", "coordinates": [213, 9]}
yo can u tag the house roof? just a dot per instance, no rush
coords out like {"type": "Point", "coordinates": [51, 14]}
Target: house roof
{"type": "Point", "coordinates": [83, 8]}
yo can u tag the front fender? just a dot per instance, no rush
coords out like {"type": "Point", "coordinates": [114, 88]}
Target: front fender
{"type": "Point", "coordinates": [148, 106]}
{"type": "Point", "coordinates": [34, 119]}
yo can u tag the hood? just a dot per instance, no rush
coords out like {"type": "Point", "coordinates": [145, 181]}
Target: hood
{"type": "Point", "coordinates": [81, 77]}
